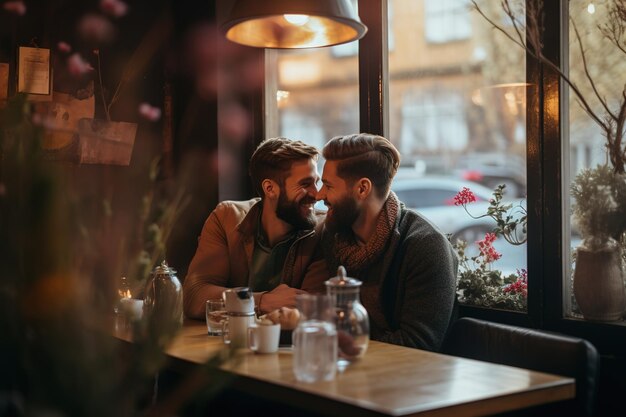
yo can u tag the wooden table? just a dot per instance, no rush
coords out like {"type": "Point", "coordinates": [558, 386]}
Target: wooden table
{"type": "Point", "coordinates": [390, 380]}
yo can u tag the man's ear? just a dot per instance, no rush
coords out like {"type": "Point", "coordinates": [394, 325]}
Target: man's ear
{"type": "Point", "coordinates": [270, 188]}
{"type": "Point", "coordinates": [363, 188]}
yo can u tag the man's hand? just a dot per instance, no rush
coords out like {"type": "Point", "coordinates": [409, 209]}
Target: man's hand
{"type": "Point", "coordinates": [281, 296]}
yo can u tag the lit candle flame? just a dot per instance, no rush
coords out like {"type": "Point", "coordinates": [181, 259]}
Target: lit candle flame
{"type": "Point", "coordinates": [125, 293]}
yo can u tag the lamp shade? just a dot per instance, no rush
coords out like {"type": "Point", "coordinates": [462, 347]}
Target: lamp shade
{"type": "Point", "coordinates": [285, 24]}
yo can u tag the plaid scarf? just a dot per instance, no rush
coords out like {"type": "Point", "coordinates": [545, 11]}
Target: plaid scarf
{"type": "Point", "coordinates": [355, 258]}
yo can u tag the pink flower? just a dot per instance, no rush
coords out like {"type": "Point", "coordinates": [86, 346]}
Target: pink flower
{"type": "Point", "coordinates": [518, 287]}
{"type": "Point", "coordinates": [149, 112]}
{"type": "Point", "coordinates": [15, 7]}
{"type": "Point", "coordinates": [77, 66]}
{"type": "Point", "coordinates": [64, 47]}
{"type": "Point", "coordinates": [115, 8]}
{"type": "Point", "coordinates": [464, 197]}
{"type": "Point", "coordinates": [486, 248]}
{"type": "Point", "coordinates": [95, 28]}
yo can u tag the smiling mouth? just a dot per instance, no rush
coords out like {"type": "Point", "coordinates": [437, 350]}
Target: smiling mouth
{"type": "Point", "coordinates": [307, 203]}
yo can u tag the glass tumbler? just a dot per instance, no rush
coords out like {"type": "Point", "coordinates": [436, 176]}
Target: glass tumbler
{"type": "Point", "coordinates": [315, 339]}
{"type": "Point", "coordinates": [215, 316]}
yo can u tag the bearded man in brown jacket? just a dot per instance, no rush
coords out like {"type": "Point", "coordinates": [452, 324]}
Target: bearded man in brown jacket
{"type": "Point", "coordinates": [268, 244]}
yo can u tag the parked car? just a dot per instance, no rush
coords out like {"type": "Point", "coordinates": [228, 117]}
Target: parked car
{"type": "Point", "coordinates": [433, 197]}
{"type": "Point", "coordinates": [491, 170]}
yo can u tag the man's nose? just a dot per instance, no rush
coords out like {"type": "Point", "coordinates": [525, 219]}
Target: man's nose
{"type": "Point", "coordinates": [311, 191]}
{"type": "Point", "coordinates": [321, 194]}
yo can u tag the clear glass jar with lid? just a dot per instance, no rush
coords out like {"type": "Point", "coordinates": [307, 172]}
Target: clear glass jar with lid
{"type": "Point", "coordinates": [351, 319]}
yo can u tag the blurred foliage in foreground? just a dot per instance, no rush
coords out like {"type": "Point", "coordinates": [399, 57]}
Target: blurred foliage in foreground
{"type": "Point", "coordinates": [57, 354]}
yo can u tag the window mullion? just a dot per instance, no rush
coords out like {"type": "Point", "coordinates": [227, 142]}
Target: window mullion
{"type": "Point", "coordinates": [373, 79]}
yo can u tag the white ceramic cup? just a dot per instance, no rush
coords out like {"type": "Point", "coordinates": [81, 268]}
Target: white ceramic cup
{"type": "Point", "coordinates": [264, 338]}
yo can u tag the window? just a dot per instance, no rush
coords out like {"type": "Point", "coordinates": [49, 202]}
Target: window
{"type": "Point", "coordinates": [312, 96]}
{"type": "Point", "coordinates": [588, 159]}
{"type": "Point", "coordinates": [469, 111]}
{"type": "Point", "coordinates": [446, 20]}
{"type": "Point", "coordinates": [433, 122]}
{"type": "Point", "coordinates": [463, 104]}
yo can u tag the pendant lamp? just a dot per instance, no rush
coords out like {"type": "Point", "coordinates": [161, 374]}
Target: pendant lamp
{"type": "Point", "coordinates": [290, 24]}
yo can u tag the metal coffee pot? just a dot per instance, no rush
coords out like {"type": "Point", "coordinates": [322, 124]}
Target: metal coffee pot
{"type": "Point", "coordinates": [163, 300]}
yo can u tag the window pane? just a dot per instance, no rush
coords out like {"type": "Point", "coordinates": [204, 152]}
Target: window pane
{"type": "Point", "coordinates": [599, 209]}
{"type": "Point", "coordinates": [314, 94]}
{"type": "Point", "coordinates": [457, 114]}
{"type": "Point", "coordinates": [447, 20]}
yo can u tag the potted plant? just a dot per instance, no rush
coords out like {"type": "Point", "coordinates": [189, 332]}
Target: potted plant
{"type": "Point", "coordinates": [598, 193]}
{"type": "Point", "coordinates": [600, 214]}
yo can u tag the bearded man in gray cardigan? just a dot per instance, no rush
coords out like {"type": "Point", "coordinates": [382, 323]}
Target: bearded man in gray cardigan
{"type": "Point", "coordinates": [407, 266]}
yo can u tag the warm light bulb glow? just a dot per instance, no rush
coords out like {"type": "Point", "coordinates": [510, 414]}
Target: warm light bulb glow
{"type": "Point", "coordinates": [591, 9]}
{"type": "Point", "coordinates": [297, 19]}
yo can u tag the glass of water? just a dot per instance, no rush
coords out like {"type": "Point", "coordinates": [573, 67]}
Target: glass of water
{"type": "Point", "coordinates": [315, 339]}
{"type": "Point", "coordinates": [215, 316]}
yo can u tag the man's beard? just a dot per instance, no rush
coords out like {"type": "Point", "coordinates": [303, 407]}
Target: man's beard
{"type": "Point", "coordinates": [291, 212]}
{"type": "Point", "coordinates": [344, 214]}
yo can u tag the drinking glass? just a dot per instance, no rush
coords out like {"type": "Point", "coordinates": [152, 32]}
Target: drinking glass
{"type": "Point", "coordinates": [215, 316]}
{"type": "Point", "coordinates": [315, 339]}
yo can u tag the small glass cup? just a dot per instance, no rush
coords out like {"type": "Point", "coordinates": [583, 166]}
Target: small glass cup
{"type": "Point", "coordinates": [215, 316]}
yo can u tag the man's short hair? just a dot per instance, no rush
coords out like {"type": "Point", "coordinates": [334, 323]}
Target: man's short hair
{"type": "Point", "coordinates": [273, 158]}
{"type": "Point", "coordinates": [364, 155]}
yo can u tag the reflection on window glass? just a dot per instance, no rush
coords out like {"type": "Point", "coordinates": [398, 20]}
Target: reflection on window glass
{"type": "Point", "coordinates": [597, 195]}
{"type": "Point", "coordinates": [457, 97]}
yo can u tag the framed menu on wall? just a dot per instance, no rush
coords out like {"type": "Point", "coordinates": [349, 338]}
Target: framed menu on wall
{"type": "Point", "coordinates": [33, 70]}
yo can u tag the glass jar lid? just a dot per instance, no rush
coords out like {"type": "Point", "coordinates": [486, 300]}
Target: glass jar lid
{"type": "Point", "coordinates": [342, 281]}
{"type": "Point", "coordinates": [164, 269]}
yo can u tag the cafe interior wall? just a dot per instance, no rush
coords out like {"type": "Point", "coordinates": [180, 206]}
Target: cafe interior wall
{"type": "Point", "coordinates": [189, 69]}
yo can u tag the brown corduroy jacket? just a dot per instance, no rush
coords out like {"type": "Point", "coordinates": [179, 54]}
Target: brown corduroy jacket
{"type": "Point", "coordinates": [225, 249]}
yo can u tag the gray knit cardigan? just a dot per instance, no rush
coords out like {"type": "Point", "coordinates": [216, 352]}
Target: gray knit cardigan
{"type": "Point", "coordinates": [417, 276]}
